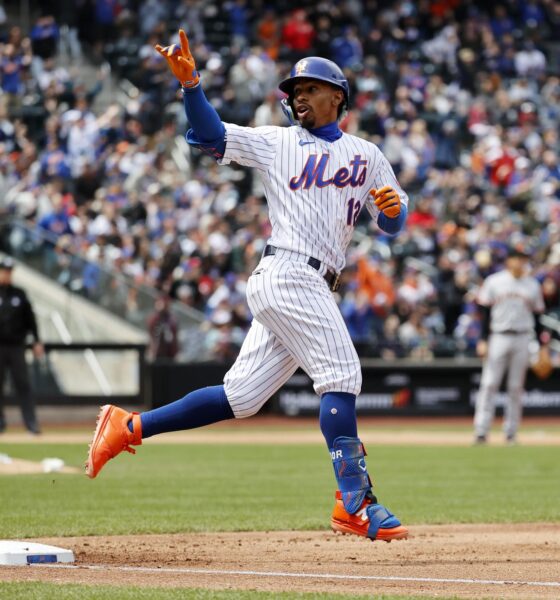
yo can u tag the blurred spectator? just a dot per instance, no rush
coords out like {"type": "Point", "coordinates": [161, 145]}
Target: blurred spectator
{"type": "Point", "coordinates": [11, 67]}
{"type": "Point", "coordinates": [152, 13]}
{"type": "Point", "coordinates": [414, 336]}
{"type": "Point", "coordinates": [105, 12]}
{"type": "Point", "coordinates": [361, 320]}
{"type": "Point", "coordinates": [3, 18]}
{"type": "Point", "coordinates": [346, 50]}
{"type": "Point", "coordinates": [239, 15]}
{"type": "Point", "coordinates": [298, 35]}
{"type": "Point", "coordinates": [56, 221]}
{"type": "Point", "coordinates": [269, 112]}
{"type": "Point", "coordinates": [44, 37]}
{"type": "Point", "coordinates": [268, 33]}
{"type": "Point", "coordinates": [163, 329]}
{"type": "Point", "coordinates": [530, 61]}
{"type": "Point", "coordinates": [67, 14]}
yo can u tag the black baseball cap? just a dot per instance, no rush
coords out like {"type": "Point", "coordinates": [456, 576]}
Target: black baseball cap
{"type": "Point", "coordinates": [7, 263]}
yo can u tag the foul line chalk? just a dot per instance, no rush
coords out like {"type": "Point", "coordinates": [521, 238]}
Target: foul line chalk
{"type": "Point", "coordinates": [177, 570]}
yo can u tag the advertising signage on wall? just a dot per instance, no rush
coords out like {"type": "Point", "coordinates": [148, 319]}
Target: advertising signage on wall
{"type": "Point", "coordinates": [417, 390]}
{"type": "Point", "coordinates": [399, 388]}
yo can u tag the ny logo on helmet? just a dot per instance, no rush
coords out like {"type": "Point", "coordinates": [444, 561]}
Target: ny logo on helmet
{"type": "Point", "coordinates": [301, 67]}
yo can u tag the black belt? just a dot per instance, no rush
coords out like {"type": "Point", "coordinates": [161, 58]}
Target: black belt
{"type": "Point", "coordinates": [512, 332]}
{"type": "Point", "coordinates": [332, 278]}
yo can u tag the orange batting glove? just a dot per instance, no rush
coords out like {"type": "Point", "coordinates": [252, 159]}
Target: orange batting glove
{"type": "Point", "coordinates": [387, 201]}
{"type": "Point", "coordinates": [181, 61]}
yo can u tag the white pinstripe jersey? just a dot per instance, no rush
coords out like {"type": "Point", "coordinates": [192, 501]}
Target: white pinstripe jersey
{"type": "Point", "coordinates": [315, 189]}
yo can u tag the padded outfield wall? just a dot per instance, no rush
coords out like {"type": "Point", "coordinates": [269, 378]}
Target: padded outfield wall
{"type": "Point", "coordinates": [408, 388]}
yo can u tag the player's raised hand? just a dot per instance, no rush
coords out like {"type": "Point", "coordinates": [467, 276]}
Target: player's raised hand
{"type": "Point", "coordinates": [387, 201]}
{"type": "Point", "coordinates": [181, 61]}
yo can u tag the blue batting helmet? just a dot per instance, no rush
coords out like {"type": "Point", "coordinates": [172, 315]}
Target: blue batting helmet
{"type": "Point", "coordinates": [319, 68]}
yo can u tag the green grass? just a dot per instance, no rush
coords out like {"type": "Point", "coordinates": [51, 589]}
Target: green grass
{"type": "Point", "coordinates": [51, 591]}
{"type": "Point", "coordinates": [177, 488]}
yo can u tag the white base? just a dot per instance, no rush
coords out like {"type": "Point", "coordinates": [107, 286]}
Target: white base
{"type": "Point", "coordinates": [29, 553]}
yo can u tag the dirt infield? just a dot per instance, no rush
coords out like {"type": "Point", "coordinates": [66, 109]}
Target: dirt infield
{"type": "Point", "coordinates": [279, 430]}
{"type": "Point", "coordinates": [408, 437]}
{"type": "Point", "coordinates": [467, 561]}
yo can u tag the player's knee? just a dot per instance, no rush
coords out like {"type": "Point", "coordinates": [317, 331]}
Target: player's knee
{"type": "Point", "coordinates": [358, 376]}
{"type": "Point", "coordinates": [351, 383]}
{"type": "Point", "coordinates": [353, 379]}
{"type": "Point", "coordinates": [244, 404]}
{"type": "Point", "coordinates": [247, 413]}
{"type": "Point", "coordinates": [241, 411]}
{"type": "Point", "coordinates": [488, 388]}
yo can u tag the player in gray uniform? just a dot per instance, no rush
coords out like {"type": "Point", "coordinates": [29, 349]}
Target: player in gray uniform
{"type": "Point", "coordinates": [510, 302]}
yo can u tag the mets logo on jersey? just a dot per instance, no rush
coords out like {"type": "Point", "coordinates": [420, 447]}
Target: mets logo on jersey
{"type": "Point", "coordinates": [313, 173]}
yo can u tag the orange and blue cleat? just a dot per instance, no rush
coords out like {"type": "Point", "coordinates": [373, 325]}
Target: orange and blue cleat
{"type": "Point", "coordinates": [371, 520]}
{"type": "Point", "coordinates": [112, 436]}
{"type": "Point", "coordinates": [357, 510]}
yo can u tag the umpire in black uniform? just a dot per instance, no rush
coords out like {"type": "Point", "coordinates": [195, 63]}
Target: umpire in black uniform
{"type": "Point", "coordinates": [17, 321]}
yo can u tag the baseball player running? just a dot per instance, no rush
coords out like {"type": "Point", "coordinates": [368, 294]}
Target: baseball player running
{"type": "Point", "coordinates": [510, 302]}
{"type": "Point", "coordinates": [317, 179]}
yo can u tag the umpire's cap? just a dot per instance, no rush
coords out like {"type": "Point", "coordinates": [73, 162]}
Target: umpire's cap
{"type": "Point", "coordinates": [319, 68]}
{"type": "Point", "coordinates": [6, 263]}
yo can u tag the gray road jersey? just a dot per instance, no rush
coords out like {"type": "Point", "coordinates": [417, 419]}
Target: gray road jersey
{"type": "Point", "coordinates": [512, 301]}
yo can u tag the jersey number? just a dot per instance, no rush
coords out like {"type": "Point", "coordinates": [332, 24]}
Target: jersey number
{"type": "Point", "coordinates": [353, 211]}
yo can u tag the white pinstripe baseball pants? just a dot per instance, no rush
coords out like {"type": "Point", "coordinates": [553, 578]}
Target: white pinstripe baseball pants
{"type": "Point", "coordinates": [296, 323]}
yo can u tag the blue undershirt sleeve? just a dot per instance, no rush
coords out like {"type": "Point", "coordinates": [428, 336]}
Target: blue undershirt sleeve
{"type": "Point", "coordinates": [207, 130]}
{"type": "Point", "coordinates": [393, 225]}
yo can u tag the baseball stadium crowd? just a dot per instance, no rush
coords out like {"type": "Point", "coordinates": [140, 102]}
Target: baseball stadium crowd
{"type": "Point", "coordinates": [462, 97]}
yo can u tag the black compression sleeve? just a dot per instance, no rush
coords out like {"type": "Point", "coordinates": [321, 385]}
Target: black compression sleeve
{"type": "Point", "coordinates": [484, 321]}
{"type": "Point", "coordinates": [538, 326]}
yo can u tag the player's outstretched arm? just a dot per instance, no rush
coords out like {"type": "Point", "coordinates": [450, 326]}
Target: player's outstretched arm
{"type": "Point", "coordinates": [208, 131]}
